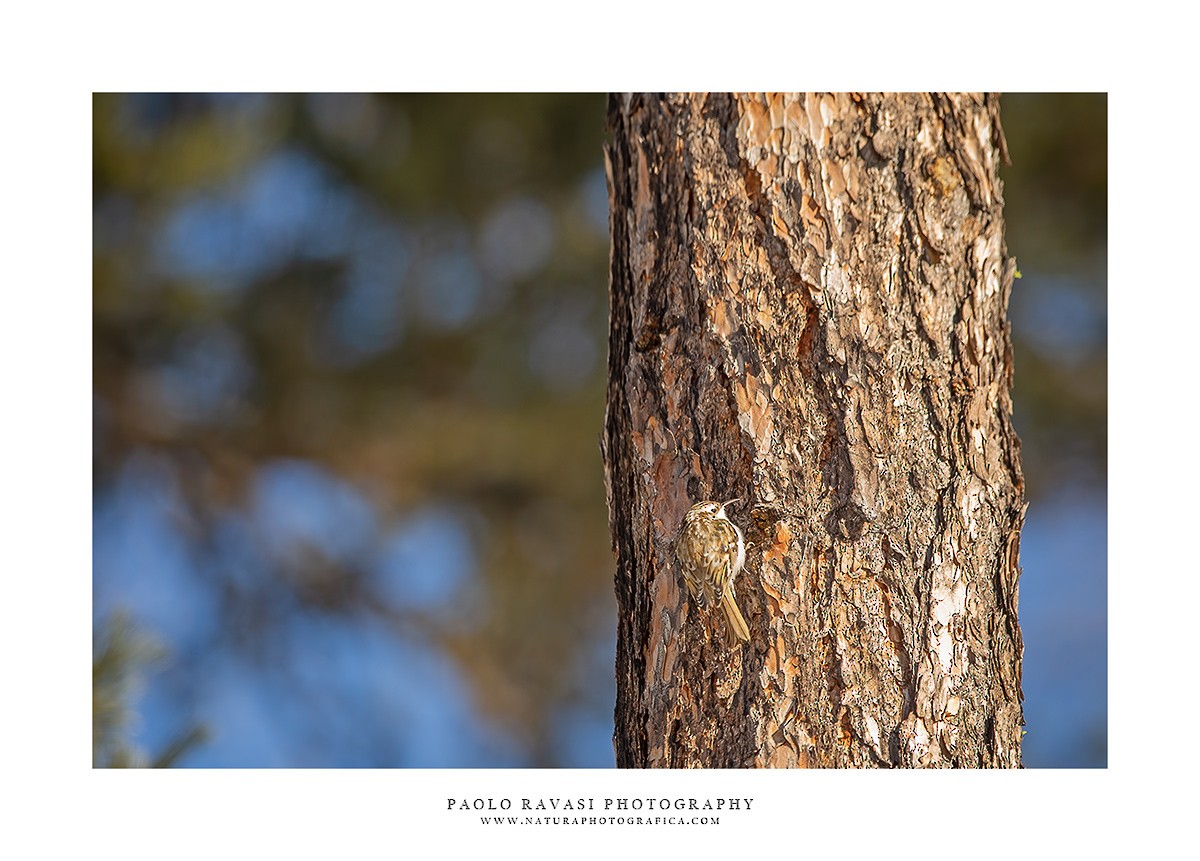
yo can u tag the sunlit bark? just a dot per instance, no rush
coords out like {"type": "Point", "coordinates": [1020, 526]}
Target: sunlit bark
{"type": "Point", "coordinates": [808, 307]}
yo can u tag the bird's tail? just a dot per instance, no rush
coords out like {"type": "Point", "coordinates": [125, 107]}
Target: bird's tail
{"type": "Point", "coordinates": [737, 625]}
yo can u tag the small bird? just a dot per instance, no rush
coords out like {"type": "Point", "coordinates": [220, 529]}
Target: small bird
{"type": "Point", "coordinates": [711, 552]}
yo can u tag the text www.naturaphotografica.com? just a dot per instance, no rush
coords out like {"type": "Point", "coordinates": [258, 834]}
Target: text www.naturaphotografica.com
{"type": "Point", "coordinates": [612, 811]}
{"type": "Point", "coordinates": [600, 820]}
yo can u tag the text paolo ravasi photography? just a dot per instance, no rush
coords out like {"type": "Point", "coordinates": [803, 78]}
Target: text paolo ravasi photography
{"type": "Point", "coordinates": [600, 811]}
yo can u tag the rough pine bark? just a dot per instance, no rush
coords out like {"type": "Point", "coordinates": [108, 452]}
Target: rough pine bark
{"type": "Point", "coordinates": [808, 303]}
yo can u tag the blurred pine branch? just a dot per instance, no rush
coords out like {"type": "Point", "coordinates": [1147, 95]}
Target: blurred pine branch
{"type": "Point", "coordinates": [122, 657]}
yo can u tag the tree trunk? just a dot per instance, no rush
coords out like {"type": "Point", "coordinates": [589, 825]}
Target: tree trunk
{"type": "Point", "coordinates": [808, 312]}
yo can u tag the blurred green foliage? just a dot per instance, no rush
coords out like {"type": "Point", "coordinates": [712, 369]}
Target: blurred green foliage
{"type": "Point", "coordinates": [407, 292]}
{"type": "Point", "coordinates": [123, 657]}
{"type": "Point", "coordinates": [1056, 220]}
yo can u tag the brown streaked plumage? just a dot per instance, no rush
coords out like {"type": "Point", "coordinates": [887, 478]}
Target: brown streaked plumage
{"type": "Point", "coordinates": [711, 552]}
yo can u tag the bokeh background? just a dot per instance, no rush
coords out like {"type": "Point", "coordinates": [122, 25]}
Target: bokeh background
{"type": "Point", "coordinates": [348, 385]}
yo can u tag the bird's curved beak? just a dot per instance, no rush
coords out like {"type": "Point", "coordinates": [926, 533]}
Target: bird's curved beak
{"type": "Point", "coordinates": [730, 502]}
